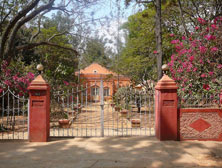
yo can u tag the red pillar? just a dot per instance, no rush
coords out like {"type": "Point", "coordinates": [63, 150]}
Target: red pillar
{"type": "Point", "coordinates": [39, 106]}
{"type": "Point", "coordinates": [166, 109]}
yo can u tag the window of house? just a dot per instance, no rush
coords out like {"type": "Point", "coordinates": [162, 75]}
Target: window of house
{"type": "Point", "coordinates": [106, 91]}
{"type": "Point", "coordinates": [94, 71]}
{"type": "Point", "coordinates": [95, 91]}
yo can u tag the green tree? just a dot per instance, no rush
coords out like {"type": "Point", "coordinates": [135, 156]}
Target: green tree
{"type": "Point", "coordinates": [178, 17]}
{"type": "Point", "coordinates": [95, 51]}
{"type": "Point", "coordinates": [17, 14]}
{"type": "Point", "coordinates": [59, 64]}
{"type": "Point", "coordinates": [138, 58]}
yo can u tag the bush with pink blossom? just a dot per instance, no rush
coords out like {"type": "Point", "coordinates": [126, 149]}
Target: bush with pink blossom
{"type": "Point", "coordinates": [16, 77]}
{"type": "Point", "coordinates": [196, 64]}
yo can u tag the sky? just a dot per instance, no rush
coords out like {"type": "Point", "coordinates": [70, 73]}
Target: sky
{"type": "Point", "coordinates": [108, 8]}
{"type": "Point", "coordinates": [110, 30]}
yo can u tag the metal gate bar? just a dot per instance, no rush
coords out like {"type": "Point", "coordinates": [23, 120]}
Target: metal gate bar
{"type": "Point", "coordinates": [90, 114]}
{"type": "Point", "coordinates": [14, 118]}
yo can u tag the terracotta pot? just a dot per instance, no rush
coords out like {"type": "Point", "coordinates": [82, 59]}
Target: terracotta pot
{"type": "Point", "coordinates": [117, 108]}
{"type": "Point", "coordinates": [112, 104]}
{"type": "Point", "coordinates": [64, 123]}
{"type": "Point", "coordinates": [124, 113]}
{"type": "Point", "coordinates": [135, 123]}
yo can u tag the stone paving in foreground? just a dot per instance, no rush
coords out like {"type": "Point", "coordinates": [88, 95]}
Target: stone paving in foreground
{"type": "Point", "coordinates": [110, 152]}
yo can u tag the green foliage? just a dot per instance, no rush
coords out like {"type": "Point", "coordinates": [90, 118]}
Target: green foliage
{"type": "Point", "coordinates": [95, 52]}
{"type": "Point", "coordinates": [137, 59]}
{"type": "Point", "coordinates": [126, 96]}
{"type": "Point", "coordinates": [59, 64]}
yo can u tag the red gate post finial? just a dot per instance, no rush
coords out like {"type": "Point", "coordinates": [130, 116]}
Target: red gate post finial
{"type": "Point", "coordinates": [39, 109]}
{"type": "Point", "coordinates": [166, 109]}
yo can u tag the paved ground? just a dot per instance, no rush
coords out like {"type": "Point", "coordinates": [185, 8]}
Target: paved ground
{"type": "Point", "coordinates": [110, 152]}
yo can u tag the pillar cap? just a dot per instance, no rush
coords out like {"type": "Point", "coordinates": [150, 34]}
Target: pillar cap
{"type": "Point", "coordinates": [38, 84]}
{"type": "Point", "coordinates": [166, 83]}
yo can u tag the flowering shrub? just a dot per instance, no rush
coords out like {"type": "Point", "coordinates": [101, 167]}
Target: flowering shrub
{"type": "Point", "coordinates": [16, 80]}
{"type": "Point", "coordinates": [196, 64]}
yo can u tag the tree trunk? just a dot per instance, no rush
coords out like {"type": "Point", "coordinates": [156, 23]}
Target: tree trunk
{"type": "Point", "coordinates": [158, 32]}
{"type": "Point", "coordinates": [182, 18]}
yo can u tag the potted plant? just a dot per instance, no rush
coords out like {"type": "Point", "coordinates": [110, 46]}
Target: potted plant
{"type": "Point", "coordinates": [124, 112]}
{"type": "Point", "coordinates": [135, 123]}
{"type": "Point", "coordinates": [64, 122]}
{"type": "Point", "coordinates": [118, 107]}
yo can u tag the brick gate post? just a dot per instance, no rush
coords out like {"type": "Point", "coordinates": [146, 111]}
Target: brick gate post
{"type": "Point", "coordinates": [39, 106]}
{"type": "Point", "coordinates": [166, 109]}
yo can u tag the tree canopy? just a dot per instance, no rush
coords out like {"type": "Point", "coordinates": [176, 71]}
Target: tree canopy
{"type": "Point", "coordinates": [179, 18]}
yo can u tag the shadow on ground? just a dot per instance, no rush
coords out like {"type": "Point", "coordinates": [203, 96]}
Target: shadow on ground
{"type": "Point", "coordinates": [110, 152]}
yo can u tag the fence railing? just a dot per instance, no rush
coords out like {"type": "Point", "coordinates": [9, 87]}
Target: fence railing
{"type": "Point", "coordinates": [200, 101]}
{"type": "Point", "coordinates": [13, 115]}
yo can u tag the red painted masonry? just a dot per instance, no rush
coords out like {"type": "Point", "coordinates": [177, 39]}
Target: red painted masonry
{"type": "Point", "coordinates": [221, 97]}
{"type": "Point", "coordinates": [166, 109]}
{"type": "Point", "coordinates": [39, 124]}
{"type": "Point", "coordinates": [201, 124]}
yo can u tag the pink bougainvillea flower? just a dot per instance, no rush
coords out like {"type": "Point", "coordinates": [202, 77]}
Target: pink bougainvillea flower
{"type": "Point", "coordinates": [214, 26]}
{"type": "Point", "coordinates": [189, 51]}
{"type": "Point", "coordinates": [211, 73]}
{"type": "Point", "coordinates": [201, 61]}
{"type": "Point", "coordinates": [195, 69]}
{"type": "Point", "coordinates": [175, 41]}
{"type": "Point", "coordinates": [171, 35]}
{"type": "Point", "coordinates": [219, 66]}
{"type": "Point", "coordinates": [202, 49]}
{"type": "Point", "coordinates": [183, 38]}
{"type": "Point", "coordinates": [201, 21]}
{"type": "Point", "coordinates": [209, 37]}
{"type": "Point", "coordinates": [1, 90]}
{"type": "Point", "coordinates": [191, 58]}
{"type": "Point", "coordinates": [15, 78]}
{"type": "Point", "coordinates": [8, 83]}
{"type": "Point", "coordinates": [178, 47]}
{"type": "Point", "coordinates": [184, 64]}
{"type": "Point", "coordinates": [183, 51]}
{"type": "Point", "coordinates": [206, 87]}
{"type": "Point", "coordinates": [31, 75]}
{"type": "Point", "coordinates": [196, 28]}
{"type": "Point", "coordinates": [203, 75]}
{"type": "Point", "coordinates": [155, 52]}
{"type": "Point", "coordinates": [194, 43]}
{"type": "Point", "coordinates": [66, 83]}
{"type": "Point", "coordinates": [214, 49]}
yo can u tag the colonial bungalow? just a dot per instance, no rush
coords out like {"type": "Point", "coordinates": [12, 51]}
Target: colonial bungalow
{"type": "Point", "coordinates": [92, 76]}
